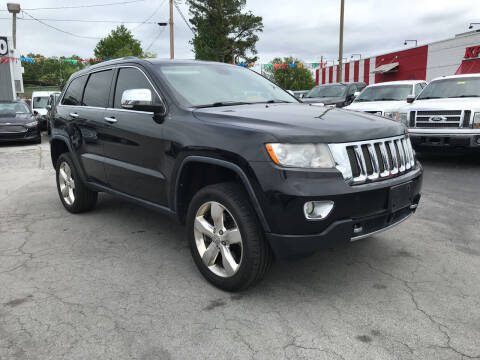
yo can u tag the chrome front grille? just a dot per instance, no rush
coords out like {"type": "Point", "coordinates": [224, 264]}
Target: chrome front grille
{"type": "Point", "coordinates": [373, 160]}
{"type": "Point", "coordinates": [440, 119]}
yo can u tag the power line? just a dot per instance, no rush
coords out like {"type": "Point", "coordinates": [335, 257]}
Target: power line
{"type": "Point", "coordinates": [183, 17]}
{"type": "Point", "coordinates": [148, 18]}
{"type": "Point", "coordinates": [156, 38]}
{"type": "Point", "coordinates": [87, 21]}
{"type": "Point", "coordinates": [83, 6]}
{"type": "Point", "coordinates": [63, 31]}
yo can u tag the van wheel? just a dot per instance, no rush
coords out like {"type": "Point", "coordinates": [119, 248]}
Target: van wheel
{"type": "Point", "coordinates": [226, 240]}
{"type": "Point", "coordinates": [74, 195]}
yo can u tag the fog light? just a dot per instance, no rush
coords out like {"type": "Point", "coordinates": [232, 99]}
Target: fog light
{"type": "Point", "coordinates": [317, 210]}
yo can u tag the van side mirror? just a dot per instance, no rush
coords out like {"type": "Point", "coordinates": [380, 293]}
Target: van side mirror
{"type": "Point", "coordinates": [141, 100]}
{"type": "Point", "coordinates": [410, 99]}
{"type": "Point", "coordinates": [356, 94]}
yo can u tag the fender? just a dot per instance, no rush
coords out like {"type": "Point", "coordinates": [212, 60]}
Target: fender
{"type": "Point", "coordinates": [231, 166]}
{"type": "Point", "coordinates": [67, 142]}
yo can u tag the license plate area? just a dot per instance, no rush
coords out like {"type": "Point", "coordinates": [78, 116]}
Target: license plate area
{"type": "Point", "coordinates": [400, 196]}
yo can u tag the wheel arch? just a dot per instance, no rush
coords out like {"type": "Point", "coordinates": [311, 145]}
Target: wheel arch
{"type": "Point", "coordinates": [227, 166]}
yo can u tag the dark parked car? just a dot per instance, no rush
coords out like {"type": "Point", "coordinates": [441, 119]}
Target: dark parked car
{"type": "Point", "coordinates": [339, 95]}
{"type": "Point", "coordinates": [253, 173]}
{"type": "Point", "coordinates": [52, 102]}
{"type": "Point", "coordinates": [17, 123]}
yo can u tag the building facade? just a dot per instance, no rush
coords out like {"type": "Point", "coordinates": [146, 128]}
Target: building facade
{"type": "Point", "coordinates": [460, 54]}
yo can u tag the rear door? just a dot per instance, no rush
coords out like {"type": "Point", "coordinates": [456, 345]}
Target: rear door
{"type": "Point", "coordinates": [80, 113]}
{"type": "Point", "coordinates": [134, 144]}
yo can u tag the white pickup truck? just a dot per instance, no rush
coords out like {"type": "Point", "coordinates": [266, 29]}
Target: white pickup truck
{"type": "Point", "coordinates": [385, 98]}
{"type": "Point", "coordinates": [446, 113]}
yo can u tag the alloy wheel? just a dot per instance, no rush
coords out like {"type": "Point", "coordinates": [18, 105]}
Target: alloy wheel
{"type": "Point", "coordinates": [218, 239]}
{"type": "Point", "coordinates": [67, 184]}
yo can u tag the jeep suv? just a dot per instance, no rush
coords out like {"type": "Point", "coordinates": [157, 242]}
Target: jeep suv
{"type": "Point", "coordinates": [253, 173]}
{"type": "Point", "coordinates": [446, 113]}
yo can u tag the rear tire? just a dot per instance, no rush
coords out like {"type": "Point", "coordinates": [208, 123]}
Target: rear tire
{"type": "Point", "coordinates": [74, 195]}
{"type": "Point", "coordinates": [229, 249]}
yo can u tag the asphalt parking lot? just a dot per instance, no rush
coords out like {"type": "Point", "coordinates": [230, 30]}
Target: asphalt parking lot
{"type": "Point", "coordinates": [119, 282]}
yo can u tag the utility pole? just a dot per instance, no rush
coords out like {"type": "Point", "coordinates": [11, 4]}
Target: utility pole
{"type": "Point", "coordinates": [340, 48]}
{"type": "Point", "coordinates": [171, 30]}
{"type": "Point", "coordinates": [14, 9]}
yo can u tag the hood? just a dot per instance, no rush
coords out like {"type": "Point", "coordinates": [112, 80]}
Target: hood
{"type": "Point", "coordinates": [15, 118]}
{"type": "Point", "coordinates": [445, 104]}
{"type": "Point", "coordinates": [297, 123]}
{"type": "Point", "coordinates": [376, 105]}
{"type": "Point", "coordinates": [325, 100]}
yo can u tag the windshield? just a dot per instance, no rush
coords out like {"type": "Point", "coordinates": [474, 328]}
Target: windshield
{"type": "Point", "coordinates": [385, 93]}
{"type": "Point", "coordinates": [327, 91]}
{"type": "Point", "coordinates": [40, 102]}
{"type": "Point", "coordinates": [205, 85]}
{"type": "Point", "coordinates": [452, 88]}
{"type": "Point", "coordinates": [14, 108]}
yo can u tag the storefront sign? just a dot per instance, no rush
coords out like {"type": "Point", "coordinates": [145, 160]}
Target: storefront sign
{"type": "Point", "coordinates": [472, 52]}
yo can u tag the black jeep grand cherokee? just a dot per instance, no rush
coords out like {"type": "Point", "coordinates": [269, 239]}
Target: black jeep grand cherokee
{"type": "Point", "coordinates": [252, 172]}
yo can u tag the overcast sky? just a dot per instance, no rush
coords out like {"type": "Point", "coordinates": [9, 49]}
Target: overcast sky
{"type": "Point", "coordinates": [306, 29]}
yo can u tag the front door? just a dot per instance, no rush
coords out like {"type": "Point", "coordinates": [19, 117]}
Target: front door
{"type": "Point", "coordinates": [134, 145]}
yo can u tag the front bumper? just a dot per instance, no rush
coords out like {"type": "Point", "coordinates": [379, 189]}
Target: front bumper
{"type": "Point", "coordinates": [359, 210]}
{"type": "Point", "coordinates": [469, 138]}
{"type": "Point", "coordinates": [30, 134]}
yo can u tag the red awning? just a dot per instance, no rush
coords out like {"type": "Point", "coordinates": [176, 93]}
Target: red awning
{"type": "Point", "coordinates": [469, 67]}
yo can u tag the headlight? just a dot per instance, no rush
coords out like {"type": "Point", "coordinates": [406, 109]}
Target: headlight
{"type": "Point", "coordinates": [476, 121]}
{"type": "Point", "coordinates": [403, 118]}
{"type": "Point", "coordinates": [390, 114]}
{"type": "Point", "coordinates": [32, 124]}
{"type": "Point", "coordinates": [301, 155]}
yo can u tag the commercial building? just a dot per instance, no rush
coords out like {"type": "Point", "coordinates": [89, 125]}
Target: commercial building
{"type": "Point", "coordinates": [457, 55]}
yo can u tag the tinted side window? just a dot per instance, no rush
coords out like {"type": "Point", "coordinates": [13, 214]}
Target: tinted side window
{"type": "Point", "coordinates": [98, 89]}
{"type": "Point", "coordinates": [73, 95]}
{"type": "Point", "coordinates": [131, 78]}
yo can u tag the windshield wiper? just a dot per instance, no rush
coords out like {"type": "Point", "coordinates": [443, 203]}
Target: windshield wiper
{"type": "Point", "coordinates": [222, 103]}
{"type": "Point", "coordinates": [429, 97]}
{"type": "Point", "coordinates": [385, 99]}
{"type": "Point", "coordinates": [463, 96]}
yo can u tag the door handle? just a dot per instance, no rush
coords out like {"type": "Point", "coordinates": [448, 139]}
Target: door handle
{"type": "Point", "coordinates": [110, 120]}
{"type": "Point", "coordinates": [74, 115]}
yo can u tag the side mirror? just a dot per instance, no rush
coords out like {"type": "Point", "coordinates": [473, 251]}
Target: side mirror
{"type": "Point", "coordinates": [35, 112]}
{"type": "Point", "coordinates": [49, 107]}
{"type": "Point", "coordinates": [141, 100]}
{"type": "Point", "coordinates": [302, 96]}
{"type": "Point", "coordinates": [410, 99]}
{"type": "Point", "coordinates": [356, 94]}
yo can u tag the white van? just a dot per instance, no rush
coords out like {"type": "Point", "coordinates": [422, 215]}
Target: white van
{"type": "Point", "coordinates": [39, 106]}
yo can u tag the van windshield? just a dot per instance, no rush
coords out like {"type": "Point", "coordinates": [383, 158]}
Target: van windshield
{"type": "Point", "coordinates": [40, 102]}
{"type": "Point", "coordinates": [210, 85]}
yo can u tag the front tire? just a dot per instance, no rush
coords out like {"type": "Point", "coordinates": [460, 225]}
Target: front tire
{"type": "Point", "coordinates": [74, 195]}
{"type": "Point", "coordinates": [225, 237]}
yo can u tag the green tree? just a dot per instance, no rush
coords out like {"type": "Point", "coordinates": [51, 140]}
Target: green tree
{"type": "Point", "coordinates": [51, 71]}
{"type": "Point", "coordinates": [119, 43]}
{"type": "Point", "coordinates": [297, 78]}
{"type": "Point", "coordinates": [223, 32]}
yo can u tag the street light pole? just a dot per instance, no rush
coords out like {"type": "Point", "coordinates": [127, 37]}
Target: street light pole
{"type": "Point", "coordinates": [14, 9]}
{"type": "Point", "coordinates": [171, 30]}
{"type": "Point", "coordinates": [340, 47]}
